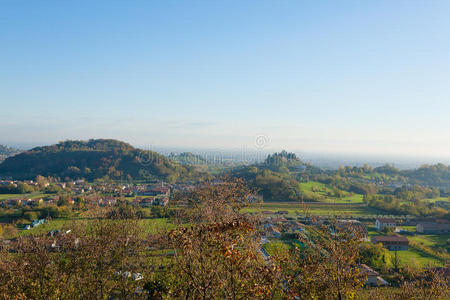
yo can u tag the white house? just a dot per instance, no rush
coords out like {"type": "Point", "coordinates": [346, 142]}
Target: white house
{"type": "Point", "coordinates": [382, 223]}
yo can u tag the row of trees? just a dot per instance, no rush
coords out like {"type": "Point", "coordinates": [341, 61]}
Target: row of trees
{"type": "Point", "coordinates": [397, 206]}
{"type": "Point", "coordinates": [21, 188]}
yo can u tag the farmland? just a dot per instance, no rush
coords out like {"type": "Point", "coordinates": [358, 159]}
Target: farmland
{"type": "Point", "coordinates": [23, 196]}
{"type": "Point", "coordinates": [150, 226]}
{"type": "Point", "coordinates": [325, 191]}
{"type": "Point", "coordinates": [9, 196]}
{"type": "Point", "coordinates": [424, 249]}
{"type": "Point", "coordinates": [412, 257]}
{"type": "Point", "coordinates": [322, 209]}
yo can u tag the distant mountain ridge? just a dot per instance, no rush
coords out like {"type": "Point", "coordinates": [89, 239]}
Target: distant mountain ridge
{"type": "Point", "coordinates": [93, 159]}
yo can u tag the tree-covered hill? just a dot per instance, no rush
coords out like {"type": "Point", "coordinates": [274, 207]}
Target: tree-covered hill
{"type": "Point", "coordinates": [431, 175]}
{"type": "Point", "coordinates": [276, 178]}
{"type": "Point", "coordinates": [100, 158]}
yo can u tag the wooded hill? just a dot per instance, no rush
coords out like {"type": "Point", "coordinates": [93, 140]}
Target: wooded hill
{"type": "Point", "coordinates": [93, 159]}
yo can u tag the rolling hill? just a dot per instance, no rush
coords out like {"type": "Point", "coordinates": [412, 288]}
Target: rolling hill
{"type": "Point", "coordinates": [93, 159]}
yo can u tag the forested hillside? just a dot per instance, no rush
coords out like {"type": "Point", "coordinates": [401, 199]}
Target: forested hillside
{"type": "Point", "coordinates": [94, 159]}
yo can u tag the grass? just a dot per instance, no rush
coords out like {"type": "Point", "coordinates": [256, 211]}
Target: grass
{"type": "Point", "coordinates": [274, 246]}
{"type": "Point", "coordinates": [371, 230]}
{"type": "Point", "coordinates": [151, 226]}
{"type": "Point", "coordinates": [313, 184]}
{"type": "Point", "coordinates": [44, 228]}
{"type": "Point", "coordinates": [312, 208]}
{"type": "Point", "coordinates": [321, 189]}
{"type": "Point", "coordinates": [356, 198]}
{"type": "Point", "coordinates": [37, 196]}
{"type": "Point", "coordinates": [413, 256]}
{"type": "Point", "coordinates": [22, 196]}
{"type": "Point", "coordinates": [431, 239]}
{"type": "Point", "coordinates": [9, 196]}
{"type": "Point", "coordinates": [437, 199]}
{"type": "Point", "coordinates": [408, 228]}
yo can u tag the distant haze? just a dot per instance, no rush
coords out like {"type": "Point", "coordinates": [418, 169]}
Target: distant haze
{"type": "Point", "coordinates": [355, 79]}
{"type": "Point", "coordinates": [252, 154]}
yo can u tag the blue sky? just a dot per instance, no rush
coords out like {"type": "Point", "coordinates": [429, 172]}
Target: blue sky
{"type": "Point", "coordinates": [365, 77]}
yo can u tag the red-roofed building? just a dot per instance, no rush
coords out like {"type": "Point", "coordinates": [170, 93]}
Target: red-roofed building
{"type": "Point", "coordinates": [392, 242]}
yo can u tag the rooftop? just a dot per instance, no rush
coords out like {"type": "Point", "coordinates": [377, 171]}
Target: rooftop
{"type": "Point", "coordinates": [389, 238]}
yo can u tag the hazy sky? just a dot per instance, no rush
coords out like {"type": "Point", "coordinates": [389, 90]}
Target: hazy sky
{"type": "Point", "coordinates": [329, 76]}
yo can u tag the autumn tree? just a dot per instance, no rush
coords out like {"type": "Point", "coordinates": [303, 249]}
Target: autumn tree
{"type": "Point", "coordinates": [96, 259]}
{"type": "Point", "coordinates": [217, 256]}
{"type": "Point", "coordinates": [324, 265]}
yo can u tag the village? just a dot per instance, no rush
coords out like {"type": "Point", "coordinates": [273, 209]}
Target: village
{"type": "Point", "coordinates": [102, 194]}
{"type": "Point", "coordinates": [277, 226]}
{"type": "Point", "coordinates": [388, 232]}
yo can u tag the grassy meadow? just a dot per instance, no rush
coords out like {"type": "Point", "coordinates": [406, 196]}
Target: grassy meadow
{"type": "Point", "coordinates": [321, 189]}
{"type": "Point", "coordinates": [296, 208]}
{"type": "Point", "coordinates": [23, 196]}
{"type": "Point", "coordinates": [150, 226]}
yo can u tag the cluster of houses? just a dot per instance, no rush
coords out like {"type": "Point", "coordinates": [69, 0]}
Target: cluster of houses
{"type": "Point", "coordinates": [273, 228]}
{"type": "Point", "coordinates": [79, 186]}
{"type": "Point", "coordinates": [22, 201]}
{"type": "Point", "coordinates": [160, 188]}
{"type": "Point", "coordinates": [396, 242]}
{"type": "Point", "coordinates": [144, 195]}
{"type": "Point", "coordinates": [151, 201]}
{"type": "Point", "coordinates": [277, 224]}
{"type": "Point", "coordinates": [154, 194]}
{"type": "Point", "coordinates": [6, 182]}
{"type": "Point", "coordinates": [16, 182]}
{"type": "Point", "coordinates": [430, 226]}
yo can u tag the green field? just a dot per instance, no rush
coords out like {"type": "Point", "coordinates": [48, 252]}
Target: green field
{"type": "Point", "coordinates": [437, 199]}
{"type": "Point", "coordinates": [321, 189]}
{"type": "Point", "coordinates": [151, 226]}
{"type": "Point", "coordinates": [312, 208]}
{"type": "Point", "coordinates": [431, 239]}
{"type": "Point", "coordinates": [313, 184]}
{"type": "Point", "coordinates": [23, 196]}
{"type": "Point", "coordinates": [408, 228]}
{"type": "Point", "coordinates": [415, 255]}
{"type": "Point", "coordinates": [36, 196]}
{"type": "Point", "coordinates": [9, 196]}
{"type": "Point", "coordinates": [412, 256]}
{"type": "Point", "coordinates": [274, 246]}
{"type": "Point", "coordinates": [44, 228]}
